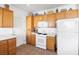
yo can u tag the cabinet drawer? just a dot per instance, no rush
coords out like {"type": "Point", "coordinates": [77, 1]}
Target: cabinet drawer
{"type": "Point", "coordinates": [4, 42]}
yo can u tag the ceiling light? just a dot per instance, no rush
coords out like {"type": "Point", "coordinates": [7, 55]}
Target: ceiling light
{"type": "Point", "coordinates": [28, 4]}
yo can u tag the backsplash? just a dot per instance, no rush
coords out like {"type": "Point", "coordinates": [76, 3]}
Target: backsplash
{"type": "Point", "coordinates": [4, 31]}
{"type": "Point", "coordinates": [48, 31]}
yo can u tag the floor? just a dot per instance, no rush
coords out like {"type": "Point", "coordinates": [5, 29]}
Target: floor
{"type": "Point", "coordinates": [32, 50]}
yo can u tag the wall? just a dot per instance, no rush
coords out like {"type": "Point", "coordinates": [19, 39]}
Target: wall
{"type": "Point", "coordinates": [19, 25]}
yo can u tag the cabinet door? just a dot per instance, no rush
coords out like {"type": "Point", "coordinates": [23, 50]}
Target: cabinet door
{"type": "Point", "coordinates": [51, 20]}
{"type": "Point", "coordinates": [33, 39]}
{"type": "Point", "coordinates": [12, 46]}
{"type": "Point", "coordinates": [3, 48]}
{"type": "Point", "coordinates": [35, 21]}
{"type": "Point", "coordinates": [60, 15]}
{"type": "Point", "coordinates": [29, 39]}
{"type": "Point", "coordinates": [72, 13]}
{"type": "Point", "coordinates": [40, 18]}
{"type": "Point", "coordinates": [29, 22]}
{"type": "Point", "coordinates": [7, 18]}
{"type": "Point", "coordinates": [0, 17]}
{"type": "Point", "coordinates": [50, 43]}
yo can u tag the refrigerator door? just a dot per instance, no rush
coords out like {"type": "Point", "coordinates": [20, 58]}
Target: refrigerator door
{"type": "Point", "coordinates": [67, 37]}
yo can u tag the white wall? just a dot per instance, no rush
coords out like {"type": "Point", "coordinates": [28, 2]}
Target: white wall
{"type": "Point", "coordinates": [19, 25]}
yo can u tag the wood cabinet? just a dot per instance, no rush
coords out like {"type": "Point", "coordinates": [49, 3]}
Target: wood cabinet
{"type": "Point", "coordinates": [31, 39]}
{"type": "Point", "coordinates": [67, 14]}
{"type": "Point", "coordinates": [29, 28]}
{"type": "Point", "coordinates": [3, 47]}
{"type": "Point", "coordinates": [29, 23]}
{"type": "Point", "coordinates": [12, 46]}
{"type": "Point", "coordinates": [60, 15]}
{"type": "Point", "coordinates": [72, 13]}
{"type": "Point", "coordinates": [50, 43]}
{"type": "Point", "coordinates": [51, 18]}
{"type": "Point", "coordinates": [37, 19]}
{"type": "Point", "coordinates": [34, 39]}
{"type": "Point", "coordinates": [8, 47]}
{"type": "Point", "coordinates": [6, 18]}
{"type": "Point", "coordinates": [0, 17]}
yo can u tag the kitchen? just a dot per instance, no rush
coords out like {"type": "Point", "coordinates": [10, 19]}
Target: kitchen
{"type": "Point", "coordinates": [39, 29]}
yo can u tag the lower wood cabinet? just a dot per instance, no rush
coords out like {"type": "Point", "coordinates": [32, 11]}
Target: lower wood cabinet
{"type": "Point", "coordinates": [12, 46]}
{"type": "Point", "coordinates": [28, 39]}
{"type": "Point", "coordinates": [31, 39]}
{"type": "Point", "coordinates": [8, 47]}
{"type": "Point", "coordinates": [50, 43]}
{"type": "Point", "coordinates": [3, 48]}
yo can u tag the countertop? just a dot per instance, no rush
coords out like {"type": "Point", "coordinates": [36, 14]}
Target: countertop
{"type": "Point", "coordinates": [42, 34]}
{"type": "Point", "coordinates": [6, 37]}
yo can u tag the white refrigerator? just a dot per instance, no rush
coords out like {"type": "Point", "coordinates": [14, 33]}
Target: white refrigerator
{"type": "Point", "coordinates": [67, 36]}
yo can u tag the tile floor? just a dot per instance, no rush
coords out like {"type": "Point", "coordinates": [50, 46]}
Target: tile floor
{"type": "Point", "coordinates": [27, 49]}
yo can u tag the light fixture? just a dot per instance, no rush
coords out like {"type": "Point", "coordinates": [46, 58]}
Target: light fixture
{"type": "Point", "coordinates": [28, 4]}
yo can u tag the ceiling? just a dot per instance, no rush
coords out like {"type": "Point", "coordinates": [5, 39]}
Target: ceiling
{"type": "Point", "coordinates": [35, 7]}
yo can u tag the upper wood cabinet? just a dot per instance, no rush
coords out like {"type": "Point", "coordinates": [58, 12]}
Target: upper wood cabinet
{"type": "Point", "coordinates": [51, 18]}
{"type": "Point", "coordinates": [1, 17]}
{"type": "Point", "coordinates": [72, 13]}
{"type": "Point", "coordinates": [29, 22]}
{"type": "Point", "coordinates": [37, 19]}
{"type": "Point", "coordinates": [60, 15]}
{"type": "Point", "coordinates": [6, 18]}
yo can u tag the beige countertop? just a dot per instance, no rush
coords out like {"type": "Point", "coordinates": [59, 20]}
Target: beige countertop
{"type": "Point", "coordinates": [6, 37]}
{"type": "Point", "coordinates": [42, 34]}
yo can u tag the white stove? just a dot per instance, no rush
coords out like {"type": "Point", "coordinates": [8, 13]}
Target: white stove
{"type": "Point", "coordinates": [41, 41]}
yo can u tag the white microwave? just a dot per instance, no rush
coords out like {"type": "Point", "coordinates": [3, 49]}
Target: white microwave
{"type": "Point", "coordinates": [42, 24]}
